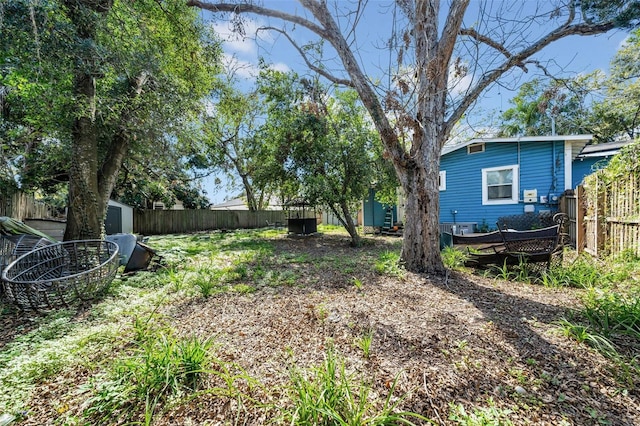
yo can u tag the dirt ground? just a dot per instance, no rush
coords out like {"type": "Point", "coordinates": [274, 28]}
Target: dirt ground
{"type": "Point", "coordinates": [464, 340]}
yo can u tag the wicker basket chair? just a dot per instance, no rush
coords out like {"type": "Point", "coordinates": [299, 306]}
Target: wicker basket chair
{"type": "Point", "coordinates": [61, 274]}
{"type": "Point", "coordinates": [14, 246]}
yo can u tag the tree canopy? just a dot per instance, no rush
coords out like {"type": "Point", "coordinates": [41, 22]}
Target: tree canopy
{"type": "Point", "coordinates": [618, 113]}
{"type": "Point", "coordinates": [602, 103]}
{"type": "Point", "coordinates": [324, 145]}
{"type": "Point", "coordinates": [92, 86]}
{"type": "Point", "coordinates": [548, 107]}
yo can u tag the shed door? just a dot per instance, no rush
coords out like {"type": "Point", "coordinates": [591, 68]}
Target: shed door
{"type": "Point", "coordinates": [113, 223]}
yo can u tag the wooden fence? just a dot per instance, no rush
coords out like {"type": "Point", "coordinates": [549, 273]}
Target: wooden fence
{"type": "Point", "coordinates": [23, 206]}
{"type": "Point", "coordinates": [621, 215]}
{"type": "Point", "coordinates": [605, 218]}
{"type": "Point", "coordinates": [154, 222]}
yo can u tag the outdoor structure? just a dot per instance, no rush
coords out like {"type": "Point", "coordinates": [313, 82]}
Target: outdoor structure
{"type": "Point", "coordinates": [484, 179]}
{"type": "Point", "coordinates": [594, 157]}
{"type": "Point", "coordinates": [119, 218]}
{"type": "Point", "coordinates": [240, 203]}
{"type": "Point", "coordinates": [302, 218]}
{"type": "Point", "coordinates": [376, 216]}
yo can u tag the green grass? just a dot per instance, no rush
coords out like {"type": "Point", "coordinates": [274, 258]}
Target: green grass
{"type": "Point", "coordinates": [453, 258]}
{"type": "Point", "coordinates": [159, 367]}
{"type": "Point", "coordinates": [364, 343]}
{"type": "Point", "coordinates": [482, 416]}
{"type": "Point", "coordinates": [612, 313]}
{"type": "Point", "coordinates": [327, 395]}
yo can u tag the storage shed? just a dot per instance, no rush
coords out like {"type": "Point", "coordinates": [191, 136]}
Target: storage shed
{"type": "Point", "coordinates": [119, 218]}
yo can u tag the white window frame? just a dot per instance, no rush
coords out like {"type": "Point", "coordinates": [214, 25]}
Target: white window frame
{"type": "Point", "coordinates": [470, 148]}
{"type": "Point", "coordinates": [515, 185]}
{"type": "Point", "coordinates": [442, 181]}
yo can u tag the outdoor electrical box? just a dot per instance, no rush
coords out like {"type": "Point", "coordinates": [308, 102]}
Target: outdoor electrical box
{"type": "Point", "coordinates": [530, 195]}
{"type": "Point", "coordinates": [554, 198]}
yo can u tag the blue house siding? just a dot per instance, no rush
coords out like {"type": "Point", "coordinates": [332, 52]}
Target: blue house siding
{"type": "Point", "coordinates": [583, 167]}
{"type": "Point", "coordinates": [547, 164]}
{"type": "Point", "coordinates": [541, 167]}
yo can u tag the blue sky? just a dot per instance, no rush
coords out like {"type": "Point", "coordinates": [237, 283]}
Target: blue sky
{"type": "Point", "coordinates": [567, 57]}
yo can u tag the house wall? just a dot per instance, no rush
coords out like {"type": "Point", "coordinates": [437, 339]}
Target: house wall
{"type": "Point", "coordinates": [541, 167]}
{"type": "Point", "coordinates": [583, 167]}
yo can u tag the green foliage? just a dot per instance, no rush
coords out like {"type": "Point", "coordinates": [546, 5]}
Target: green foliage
{"type": "Point", "coordinates": [357, 283]}
{"type": "Point", "coordinates": [234, 144]}
{"type": "Point", "coordinates": [364, 343]}
{"type": "Point", "coordinates": [623, 13]}
{"type": "Point", "coordinates": [584, 334]}
{"type": "Point", "coordinates": [616, 115]}
{"type": "Point", "coordinates": [502, 271]}
{"type": "Point", "coordinates": [153, 66]}
{"type": "Point", "coordinates": [324, 146]}
{"type": "Point", "coordinates": [160, 366]}
{"type": "Point", "coordinates": [625, 163]}
{"type": "Point", "coordinates": [453, 258]}
{"type": "Point", "coordinates": [388, 263]}
{"type": "Point", "coordinates": [486, 416]}
{"type": "Point", "coordinates": [207, 282]}
{"type": "Point", "coordinates": [541, 105]}
{"type": "Point", "coordinates": [612, 314]}
{"type": "Point", "coordinates": [327, 395]}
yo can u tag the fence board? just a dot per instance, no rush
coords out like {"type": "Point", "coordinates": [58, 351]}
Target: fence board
{"type": "Point", "coordinates": [154, 222]}
{"type": "Point", "coordinates": [23, 206]}
{"type": "Point", "coordinates": [612, 215]}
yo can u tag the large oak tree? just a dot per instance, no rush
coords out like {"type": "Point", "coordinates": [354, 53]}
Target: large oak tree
{"type": "Point", "coordinates": [92, 85]}
{"type": "Point", "coordinates": [435, 42]}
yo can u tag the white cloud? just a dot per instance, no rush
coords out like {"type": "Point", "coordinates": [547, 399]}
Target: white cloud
{"type": "Point", "coordinates": [245, 43]}
{"type": "Point", "coordinates": [280, 66]}
{"type": "Point", "coordinates": [241, 51]}
{"type": "Point", "coordinates": [239, 67]}
{"type": "Point", "coordinates": [246, 68]}
{"type": "Point", "coordinates": [234, 42]}
{"type": "Point", "coordinates": [459, 79]}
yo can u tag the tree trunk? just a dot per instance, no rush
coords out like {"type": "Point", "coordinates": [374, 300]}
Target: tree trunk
{"type": "Point", "coordinates": [87, 210]}
{"type": "Point", "coordinates": [418, 168]}
{"type": "Point", "coordinates": [350, 226]}
{"type": "Point", "coordinates": [421, 236]}
{"type": "Point", "coordinates": [252, 203]}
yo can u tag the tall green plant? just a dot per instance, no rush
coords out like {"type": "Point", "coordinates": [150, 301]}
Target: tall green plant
{"type": "Point", "coordinates": [327, 395]}
{"type": "Point", "coordinates": [161, 366]}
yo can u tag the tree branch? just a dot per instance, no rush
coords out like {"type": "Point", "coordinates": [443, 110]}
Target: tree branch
{"type": "Point", "coordinates": [520, 58]}
{"type": "Point", "coordinates": [312, 67]}
{"type": "Point", "coordinates": [451, 29]}
{"type": "Point", "coordinates": [491, 43]}
{"type": "Point", "coordinates": [329, 31]}
{"type": "Point", "coordinates": [258, 10]}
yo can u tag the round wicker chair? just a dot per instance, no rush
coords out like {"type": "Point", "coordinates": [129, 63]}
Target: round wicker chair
{"type": "Point", "coordinates": [61, 274]}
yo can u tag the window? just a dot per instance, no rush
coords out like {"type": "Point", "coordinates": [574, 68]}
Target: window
{"type": "Point", "coordinates": [475, 147]}
{"type": "Point", "coordinates": [500, 185]}
{"type": "Point", "coordinates": [442, 181]}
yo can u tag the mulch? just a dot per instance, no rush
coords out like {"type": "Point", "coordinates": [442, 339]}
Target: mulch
{"type": "Point", "coordinates": [467, 339]}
